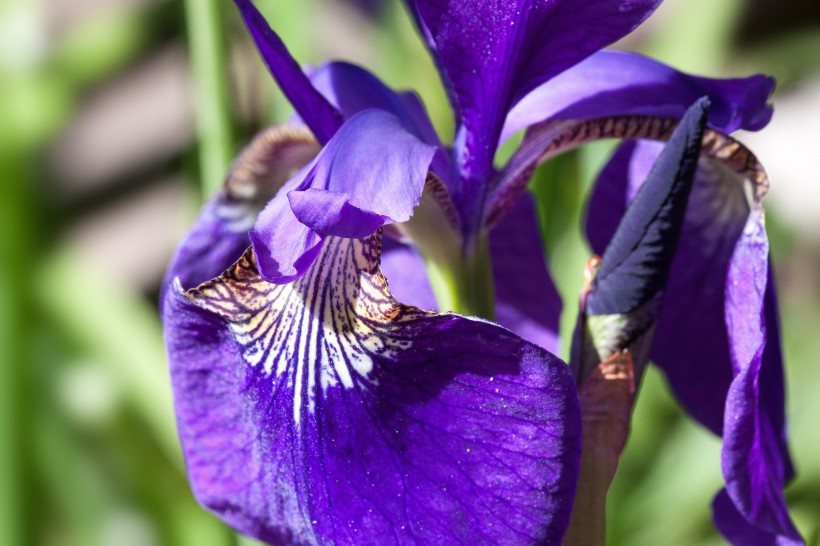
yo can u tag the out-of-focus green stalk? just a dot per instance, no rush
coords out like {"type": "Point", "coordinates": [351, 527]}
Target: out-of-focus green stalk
{"type": "Point", "coordinates": [119, 328]}
{"type": "Point", "coordinates": [462, 284]}
{"type": "Point", "coordinates": [13, 287]}
{"type": "Point", "coordinates": [559, 196]}
{"type": "Point", "coordinates": [697, 36]}
{"type": "Point", "coordinates": [207, 54]}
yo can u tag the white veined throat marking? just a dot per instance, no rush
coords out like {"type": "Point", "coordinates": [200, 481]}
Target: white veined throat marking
{"type": "Point", "coordinates": [327, 329]}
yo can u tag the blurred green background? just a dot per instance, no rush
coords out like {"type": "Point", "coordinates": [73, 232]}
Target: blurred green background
{"type": "Point", "coordinates": [118, 116]}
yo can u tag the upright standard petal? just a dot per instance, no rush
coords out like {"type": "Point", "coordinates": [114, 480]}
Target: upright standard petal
{"type": "Point", "coordinates": [352, 89]}
{"type": "Point", "coordinates": [491, 53]}
{"type": "Point", "coordinates": [372, 172]}
{"type": "Point", "coordinates": [313, 108]}
{"type": "Point", "coordinates": [323, 411]}
{"type": "Point", "coordinates": [710, 336]}
{"type": "Point", "coordinates": [613, 83]}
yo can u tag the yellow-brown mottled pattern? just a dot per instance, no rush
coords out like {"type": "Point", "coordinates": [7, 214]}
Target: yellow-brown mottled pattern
{"type": "Point", "coordinates": [325, 329]}
{"type": "Point", "coordinates": [437, 191]}
{"type": "Point", "coordinates": [565, 135]}
{"type": "Point", "coordinates": [269, 160]}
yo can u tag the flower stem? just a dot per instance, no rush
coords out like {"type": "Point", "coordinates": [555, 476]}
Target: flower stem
{"type": "Point", "coordinates": [462, 283]}
{"type": "Point", "coordinates": [478, 291]}
{"type": "Point", "coordinates": [607, 394]}
{"type": "Point", "coordinates": [206, 45]}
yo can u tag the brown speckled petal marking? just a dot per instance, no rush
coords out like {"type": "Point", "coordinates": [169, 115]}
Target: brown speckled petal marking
{"type": "Point", "coordinates": [323, 330]}
{"type": "Point", "coordinates": [220, 234]}
{"type": "Point", "coordinates": [325, 412]}
{"type": "Point", "coordinates": [552, 138]}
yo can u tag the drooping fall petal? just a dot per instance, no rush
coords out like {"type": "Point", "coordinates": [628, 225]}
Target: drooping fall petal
{"type": "Point", "coordinates": [616, 95]}
{"type": "Point", "coordinates": [324, 411]}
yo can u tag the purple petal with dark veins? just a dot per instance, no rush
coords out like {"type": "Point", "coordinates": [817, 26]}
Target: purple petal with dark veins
{"type": "Point", "coordinates": [312, 107]}
{"type": "Point", "coordinates": [372, 172]}
{"type": "Point", "coordinates": [491, 53]}
{"type": "Point", "coordinates": [527, 301]}
{"type": "Point", "coordinates": [709, 337]}
{"type": "Point", "coordinates": [323, 411]}
{"type": "Point", "coordinates": [616, 95]}
{"type": "Point", "coordinates": [612, 83]}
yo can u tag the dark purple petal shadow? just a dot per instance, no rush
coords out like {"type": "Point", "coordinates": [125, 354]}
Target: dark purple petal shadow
{"type": "Point", "coordinates": [527, 301]}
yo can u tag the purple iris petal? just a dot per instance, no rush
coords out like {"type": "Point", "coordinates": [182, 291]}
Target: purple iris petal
{"type": "Point", "coordinates": [527, 301]}
{"type": "Point", "coordinates": [404, 270]}
{"type": "Point", "coordinates": [220, 234]}
{"type": "Point", "coordinates": [371, 172]}
{"type": "Point", "coordinates": [706, 349]}
{"type": "Point", "coordinates": [739, 531]}
{"type": "Point", "coordinates": [213, 244]}
{"type": "Point", "coordinates": [616, 95]}
{"type": "Point", "coordinates": [323, 411]}
{"type": "Point", "coordinates": [351, 89]}
{"type": "Point", "coordinates": [755, 459]}
{"type": "Point", "coordinates": [611, 83]}
{"type": "Point", "coordinates": [491, 53]}
{"type": "Point", "coordinates": [313, 108]}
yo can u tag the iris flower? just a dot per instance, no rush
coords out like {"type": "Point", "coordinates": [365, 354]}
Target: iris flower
{"type": "Point", "coordinates": [314, 407]}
